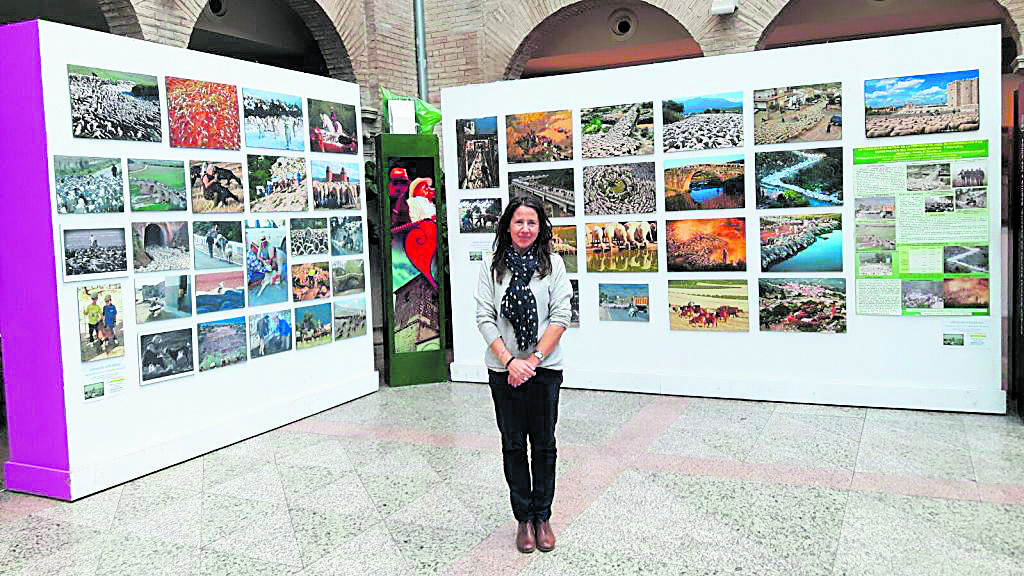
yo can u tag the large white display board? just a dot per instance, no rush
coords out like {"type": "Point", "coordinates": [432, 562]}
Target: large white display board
{"type": "Point", "coordinates": [878, 360]}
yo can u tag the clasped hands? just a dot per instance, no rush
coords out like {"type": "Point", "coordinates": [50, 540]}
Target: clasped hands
{"type": "Point", "coordinates": [519, 371]}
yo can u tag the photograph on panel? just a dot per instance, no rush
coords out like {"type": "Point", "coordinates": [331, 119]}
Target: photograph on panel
{"type": "Point", "coordinates": [350, 317]}
{"type": "Point", "coordinates": [875, 236]}
{"type": "Point", "coordinates": [965, 259]}
{"type": "Point", "coordinates": [622, 246]}
{"type": "Point", "coordinates": [100, 321]}
{"type": "Point", "coordinates": [266, 262]}
{"type": "Point", "coordinates": [799, 178]}
{"type": "Point", "coordinates": [273, 120]}
{"type": "Point", "coordinates": [310, 236]}
{"type": "Point", "coordinates": [574, 304]}
{"type": "Point", "coordinates": [346, 235]}
{"type": "Point", "coordinates": [874, 263]}
{"type": "Point", "coordinates": [270, 333]}
{"type": "Point", "coordinates": [476, 144]}
{"type": "Point", "coordinates": [202, 114]}
{"type": "Point", "coordinates": [802, 304]}
{"type": "Point", "coordinates": [554, 188]}
{"type": "Point", "coordinates": [939, 203]}
{"type": "Point", "coordinates": [220, 291]}
{"type": "Point", "coordinates": [311, 281]}
{"type": "Point", "coordinates": [623, 302]}
{"type": "Point", "coordinates": [335, 185]}
{"type": "Point", "coordinates": [928, 177]}
{"type": "Point", "coordinates": [348, 277]}
{"type": "Point", "coordinates": [971, 198]}
{"type": "Point", "coordinates": [563, 243]}
{"type": "Point", "coordinates": [539, 136]}
{"type": "Point", "coordinates": [708, 183]}
{"type": "Point", "coordinates": [619, 189]}
{"type": "Point", "coordinates": [802, 243]}
{"type": "Point", "coordinates": [708, 305]}
{"type": "Point", "coordinates": [162, 298]}
{"type": "Point", "coordinates": [703, 122]}
{"type": "Point", "coordinates": [157, 185]}
{"type": "Point", "coordinates": [711, 245]}
{"type": "Point", "coordinates": [810, 113]}
{"type": "Point", "coordinates": [160, 246]}
{"type": "Point", "coordinates": [114, 105]}
{"type": "Point", "coordinates": [217, 244]}
{"type": "Point", "coordinates": [332, 127]}
{"type": "Point", "coordinates": [479, 215]}
{"type": "Point", "coordinates": [221, 343]}
{"type": "Point", "coordinates": [89, 251]}
{"type": "Point", "coordinates": [621, 130]}
{"type": "Point", "coordinates": [277, 184]}
{"type": "Point", "coordinates": [312, 325]}
{"type": "Point", "coordinates": [165, 355]}
{"type": "Point", "coordinates": [88, 185]}
{"type": "Point", "coordinates": [965, 293]}
{"type": "Point", "coordinates": [875, 208]}
{"type": "Point", "coordinates": [216, 187]}
{"type": "Point", "coordinates": [922, 294]}
{"type": "Point", "coordinates": [973, 173]}
{"type": "Point", "coordinates": [921, 104]}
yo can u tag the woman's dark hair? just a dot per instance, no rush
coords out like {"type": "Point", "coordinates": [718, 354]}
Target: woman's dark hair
{"type": "Point", "coordinates": [503, 240]}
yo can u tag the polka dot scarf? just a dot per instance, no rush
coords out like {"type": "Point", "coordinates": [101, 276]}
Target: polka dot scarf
{"type": "Point", "coordinates": [518, 304]}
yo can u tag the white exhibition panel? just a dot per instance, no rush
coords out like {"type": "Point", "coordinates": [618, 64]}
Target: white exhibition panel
{"type": "Point", "coordinates": [156, 425]}
{"type": "Point", "coordinates": [879, 361]}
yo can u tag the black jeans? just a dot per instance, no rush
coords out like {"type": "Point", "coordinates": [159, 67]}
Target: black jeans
{"type": "Point", "coordinates": [528, 411]}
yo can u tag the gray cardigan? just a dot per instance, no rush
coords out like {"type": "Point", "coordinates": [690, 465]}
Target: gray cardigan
{"type": "Point", "coordinates": [553, 293]}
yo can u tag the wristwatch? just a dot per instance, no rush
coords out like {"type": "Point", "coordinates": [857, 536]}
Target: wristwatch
{"type": "Point", "coordinates": [539, 355]}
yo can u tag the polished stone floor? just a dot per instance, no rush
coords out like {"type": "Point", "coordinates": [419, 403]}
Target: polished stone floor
{"type": "Point", "coordinates": [409, 481]}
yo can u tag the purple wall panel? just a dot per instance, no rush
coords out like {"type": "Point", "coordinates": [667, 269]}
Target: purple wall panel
{"type": "Point", "coordinates": [29, 318]}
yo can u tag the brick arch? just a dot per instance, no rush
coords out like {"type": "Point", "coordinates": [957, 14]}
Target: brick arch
{"type": "Point", "coordinates": [121, 17]}
{"type": "Point", "coordinates": [326, 33]}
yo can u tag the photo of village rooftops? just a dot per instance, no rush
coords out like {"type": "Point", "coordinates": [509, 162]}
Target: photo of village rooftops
{"type": "Point", "coordinates": [811, 113]}
{"type": "Point", "coordinates": [921, 104]}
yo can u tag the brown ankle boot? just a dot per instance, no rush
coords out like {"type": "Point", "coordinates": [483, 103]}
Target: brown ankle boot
{"type": "Point", "coordinates": [545, 536]}
{"type": "Point", "coordinates": [525, 541]}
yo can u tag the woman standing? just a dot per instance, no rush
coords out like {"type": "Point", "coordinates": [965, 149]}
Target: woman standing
{"type": "Point", "coordinates": [522, 308]}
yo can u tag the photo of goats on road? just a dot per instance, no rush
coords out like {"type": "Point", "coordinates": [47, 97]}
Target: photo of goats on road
{"type": "Point", "coordinates": [624, 302]}
{"type": "Point", "coordinates": [217, 244]}
{"type": "Point", "coordinates": [810, 113]}
{"type": "Point", "coordinates": [88, 185]}
{"type": "Point", "coordinates": [622, 246]}
{"type": "Point", "coordinates": [709, 305]}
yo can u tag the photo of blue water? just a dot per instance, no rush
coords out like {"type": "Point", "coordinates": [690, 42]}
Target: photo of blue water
{"type": "Point", "coordinates": [825, 255]}
{"type": "Point", "coordinates": [227, 300]}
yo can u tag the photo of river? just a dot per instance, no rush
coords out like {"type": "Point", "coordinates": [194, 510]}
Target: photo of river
{"type": "Point", "coordinates": [799, 178]}
{"type": "Point", "coordinates": [802, 243]}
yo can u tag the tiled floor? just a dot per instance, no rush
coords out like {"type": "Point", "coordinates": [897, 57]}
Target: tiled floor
{"type": "Point", "coordinates": [408, 481]}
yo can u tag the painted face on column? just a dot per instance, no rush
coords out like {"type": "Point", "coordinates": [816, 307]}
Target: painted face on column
{"type": "Point", "coordinates": [524, 227]}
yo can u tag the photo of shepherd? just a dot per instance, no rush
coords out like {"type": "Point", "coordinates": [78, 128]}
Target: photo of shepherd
{"type": "Point", "coordinates": [165, 355]}
{"type": "Point", "coordinates": [619, 189]}
{"type": "Point", "coordinates": [270, 333]}
{"type": "Point", "coordinates": [712, 121]}
{"type": "Point", "coordinates": [799, 178]}
{"type": "Point", "coordinates": [803, 305]}
{"type": "Point", "coordinates": [969, 174]}
{"type": "Point", "coordinates": [216, 187]}
{"type": "Point", "coordinates": [89, 251]}
{"type": "Point", "coordinates": [708, 305]}
{"type": "Point", "coordinates": [88, 185]}
{"type": "Point", "coordinates": [965, 293]}
{"type": "Point", "coordinates": [350, 317]}
{"type": "Point", "coordinates": [924, 177]}
{"type": "Point", "coordinates": [875, 236]}
{"type": "Point", "coordinates": [202, 114]}
{"type": "Point", "coordinates": [476, 143]}
{"type": "Point", "coordinates": [970, 198]}
{"type": "Point", "coordinates": [221, 343]}
{"type": "Point", "coordinates": [875, 263]}
{"type": "Point", "coordinates": [623, 302]}
{"type": "Point", "coordinates": [312, 325]}
{"type": "Point", "coordinates": [266, 262]}
{"type": "Point", "coordinates": [309, 237]}
{"type": "Point", "coordinates": [554, 188]}
{"type": "Point", "coordinates": [622, 246]}
{"type": "Point", "coordinates": [965, 259]}
{"type": "Point", "coordinates": [332, 127]}
{"type": "Point", "coordinates": [926, 295]}
{"type": "Point", "coordinates": [621, 130]}
{"type": "Point", "coordinates": [277, 184]}
{"type": "Point", "coordinates": [346, 235]}
{"type": "Point", "coordinates": [348, 277]}
{"type": "Point", "coordinates": [335, 185]}
{"type": "Point", "coordinates": [114, 105]}
{"type": "Point", "coordinates": [539, 136]}
{"type": "Point", "coordinates": [921, 104]}
{"type": "Point", "coordinates": [709, 183]}
{"type": "Point", "coordinates": [310, 281]}
{"type": "Point", "coordinates": [479, 215]}
{"type": "Point", "coordinates": [157, 185]}
{"type": "Point", "coordinates": [217, 244]}
{"type": "Point", "coordinates": [272, 120]}
{"type": "Point", "coordinates": [159, 246]}
{"type": "Point", "coordinates": [100, 325]}
{"type": "Point", "coordinates": [802, 243]}
{"type": "Point", "coordinates": [563, 243]}
{"type": "Point", "coordinates": [219, 291]}
{"type": "Point", "coordinates": [876, 208]}
{"type": "Point", "coordinates": [937, 204]}
{"type": "Point", "coordinates": [810, 113]}
{"type": "Point", "coordinates": [713, 245]}
{"type": "Point", "coordinates": [574, 304]}
{"type": "Point", "coordinates": [163, 298]}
